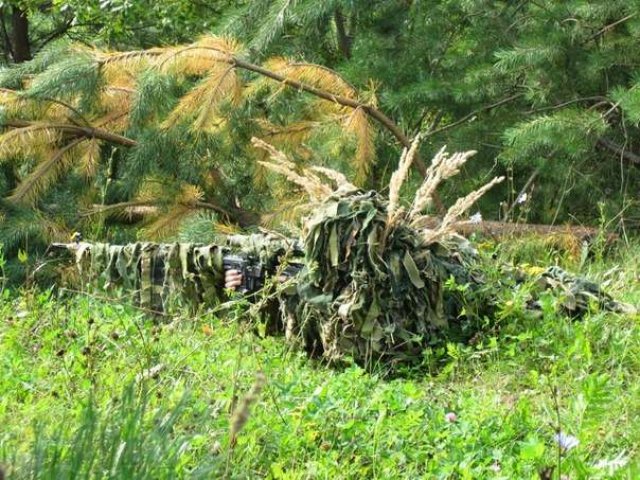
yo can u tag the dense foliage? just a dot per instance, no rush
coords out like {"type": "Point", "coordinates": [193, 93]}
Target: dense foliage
{"type": "Point", "coordinates": [545, 91]}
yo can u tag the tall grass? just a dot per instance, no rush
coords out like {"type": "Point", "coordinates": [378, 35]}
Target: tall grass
{"type": "Point", "coordinates": [93, 389]}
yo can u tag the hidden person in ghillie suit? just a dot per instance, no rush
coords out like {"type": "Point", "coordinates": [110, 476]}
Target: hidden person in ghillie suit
{"type": "Point", "coordinates": [375, 284]}
{"type": "Point", "coordinates": [381, 283]}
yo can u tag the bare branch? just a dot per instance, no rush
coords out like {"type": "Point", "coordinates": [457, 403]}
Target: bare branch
{"type": "Point", "coordinates": [634, 158]}
{"type": "Point", "coordinates": [76, 130]}
{"type": "Point", "coordinates": [471, 115]}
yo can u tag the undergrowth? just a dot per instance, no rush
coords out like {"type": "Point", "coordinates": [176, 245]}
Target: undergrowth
{"type": "Point", "coordinates": [95, 389]}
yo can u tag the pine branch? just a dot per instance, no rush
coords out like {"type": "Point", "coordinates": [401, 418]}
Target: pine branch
{"type": "Point", "coordinates": [77, 130]}
{"type": "Point", "coordinates": [471, 115]}
{"type": "Point", "coordinates": [28, 189]}
{"type": "Point", "coordinates": [606, 28]}
{"type": "Point", "coordinates": [371, 111]}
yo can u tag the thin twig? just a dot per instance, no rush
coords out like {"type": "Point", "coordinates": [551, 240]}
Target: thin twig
{"type": "Point", "coordinates": [606, 28]}
{"type": "Point", "coordinates": [469, 116]}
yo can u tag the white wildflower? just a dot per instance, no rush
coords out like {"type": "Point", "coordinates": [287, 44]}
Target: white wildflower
{"type": "Point", "coordinates": [523, 197]}
{"type": "Point", "coordinates": [475, 218]}
{"type": "Point", "coordinates": [565, 441]}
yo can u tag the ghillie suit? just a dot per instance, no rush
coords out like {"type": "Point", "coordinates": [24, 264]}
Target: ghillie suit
{"type": "Point", "coordinates": [380, 285]}
{"type": "Point", "coordinates": [161, 276]}
{"type": "Point", "coordinates": [373, 291]}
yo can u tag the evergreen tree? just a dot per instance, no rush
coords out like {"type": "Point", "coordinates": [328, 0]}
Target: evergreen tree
{"type": "Point", "coordinates": [546, 91]}
{"type": "Point", "coordinates": [163, 133]}
{"type": "Point", "coordinates": [549, 88]}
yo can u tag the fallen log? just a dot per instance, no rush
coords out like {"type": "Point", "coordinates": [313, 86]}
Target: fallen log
{"type": "Point", "coordinates": [496, 230]}
{"type": "Point", "coordinates": [487, 228]}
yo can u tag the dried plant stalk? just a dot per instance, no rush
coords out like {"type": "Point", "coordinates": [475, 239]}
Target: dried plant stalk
{"type": "Point", "coordinates": [399, 176]}
{"type": "Point", "coordinates": [241, 413]}
{"type": "Point", "coordinates": [341, 180]}
{"type": "Point", "coordinates": [442, 167]}
{"type": "Point", "coordinates": [314, 187]}
{"type": "Point", "coordinates": [463, 204]}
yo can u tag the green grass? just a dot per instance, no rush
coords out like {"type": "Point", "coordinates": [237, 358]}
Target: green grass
{"type": "Point", "coordinates": [80, 398]}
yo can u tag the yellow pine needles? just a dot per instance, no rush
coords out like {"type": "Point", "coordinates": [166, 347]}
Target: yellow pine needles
{"type": "Point", "coordinates": [216, 60]}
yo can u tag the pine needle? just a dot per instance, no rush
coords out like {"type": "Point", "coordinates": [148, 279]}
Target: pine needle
{"type": "Point", "coordinates": [168, 223]}
{"type": "Point", "coordinates": [205, 99]}
{"type": "Point", "coordinates": [358, 124]}
{"type": "Point", "coordinates": [45, 174]}
{"type": "Point", "coordinates": [198, 58]}
{"type": "Point", "coordinates": [185, 204]}
{"type": "Point", "coordinates": [35, 140]}
{"type": "Point", "coordinates": [89, 157]}
{"type": "Point", "coordinates": [292, 134]}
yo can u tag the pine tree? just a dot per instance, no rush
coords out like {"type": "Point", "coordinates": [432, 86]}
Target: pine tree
{"type": "Point", "coordinates": [94, 136]}
{"type": "Point", "coordinates": [557, 79]}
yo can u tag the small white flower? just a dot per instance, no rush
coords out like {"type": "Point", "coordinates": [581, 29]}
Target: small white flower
{"type": "Point", "coordinates": [476, 218]}
{"type": "Point", "coordinates": [495, 467]}
{"type": "Point", "coordinates": [523, 197]}
{"type": "Point", "coordinates": [450, 417]}
{"type": "Point", "coordinates": [565, 441]}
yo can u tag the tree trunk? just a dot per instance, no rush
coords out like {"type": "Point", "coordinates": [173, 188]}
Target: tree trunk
{"type": "Point", "coordinates": [344, 39]}
{"type": "Point", "coordinates": [20, 34]}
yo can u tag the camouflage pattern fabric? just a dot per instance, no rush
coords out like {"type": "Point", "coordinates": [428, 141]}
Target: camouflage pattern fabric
{"type": "Point", "coordinates": [158, 275]}
{"type": "Point", "coordinates": [369, 290]}
{"type": "Point", "coordinates": [151, 273]}
{"type": "Point", "coordinates": [578, 295]}
{"type": "Point", "coordinates": [373, 291]}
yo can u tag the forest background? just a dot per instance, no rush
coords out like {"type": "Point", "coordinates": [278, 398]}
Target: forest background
{"type": "Point", "coordinates": [157, 138]}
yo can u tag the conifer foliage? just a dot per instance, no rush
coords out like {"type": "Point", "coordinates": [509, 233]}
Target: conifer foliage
{"type": "Point", "coordinates": [547, 92]}
{"type": "Point", "coordinates": [163, 133]}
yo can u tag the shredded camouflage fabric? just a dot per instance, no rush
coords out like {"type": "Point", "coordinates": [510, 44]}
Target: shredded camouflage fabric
{"type": "Point", "coordinates": [369, 290]}
{"type": "Point", "coordinates": [151, 273]}
{"type": "Point", "coordinates": [157, 276]}
{"type": "Point", "coordinates": [373, 291]}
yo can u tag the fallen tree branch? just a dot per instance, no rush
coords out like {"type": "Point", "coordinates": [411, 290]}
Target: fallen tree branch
{"type": "Point", "coordinates": [498, 230]}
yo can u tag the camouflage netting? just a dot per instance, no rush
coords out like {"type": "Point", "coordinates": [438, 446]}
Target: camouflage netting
{"type": "Point", "coordinates": [376, 291]}
{"type": "Point", "coordinates": [381, 285]}
{"type": "Point", "coordinates": [159, 276]}
{"type": "Point", "coordinates": [373, 290]}
{"type": "Point", "coordinates": [378, 282]}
